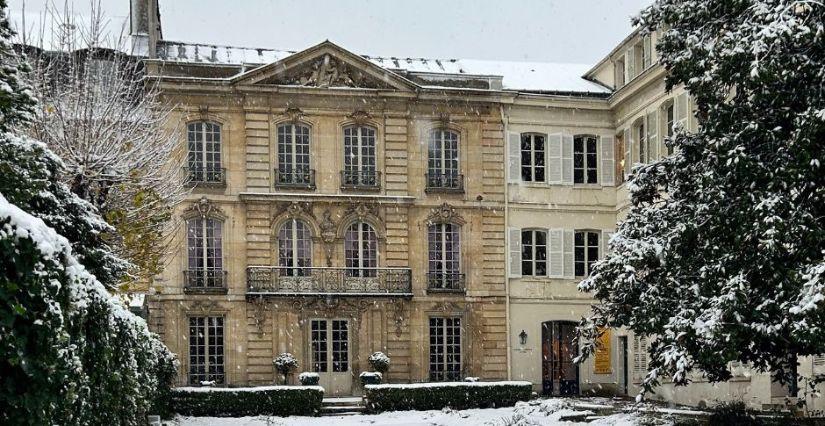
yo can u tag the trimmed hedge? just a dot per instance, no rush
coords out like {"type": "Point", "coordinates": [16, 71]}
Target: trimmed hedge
{"type": "Point", "coordinates": [435, 396]}
{"type": "Point", "coordinates": [257, 401]}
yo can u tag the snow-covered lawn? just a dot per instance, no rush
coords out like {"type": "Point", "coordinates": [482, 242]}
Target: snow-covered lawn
{"type": "Point", "coordinates": [556, 411]}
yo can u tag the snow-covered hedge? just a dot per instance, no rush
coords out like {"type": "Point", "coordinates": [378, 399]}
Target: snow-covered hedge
{"type": "Point", "coordinates": [254, 401]}
{"type": "Point", "coordinates": [309, 378]}
{"type": "Point", "coordinates": [435, 396]}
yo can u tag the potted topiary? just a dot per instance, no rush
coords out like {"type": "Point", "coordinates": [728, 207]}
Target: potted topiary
{"type": "Point", "coordinates": [380, 364]}
{"type": "Point", "coordinates": [285, 364]}
{"type": "Point", "coordinates": [309, 379]}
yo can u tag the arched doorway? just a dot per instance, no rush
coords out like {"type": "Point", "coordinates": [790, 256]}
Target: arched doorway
{"type": "Point", "coordinates": [560, 375]}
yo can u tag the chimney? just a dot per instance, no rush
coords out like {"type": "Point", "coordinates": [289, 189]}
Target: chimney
{"type": "Point", "coordinates": [144, 26]}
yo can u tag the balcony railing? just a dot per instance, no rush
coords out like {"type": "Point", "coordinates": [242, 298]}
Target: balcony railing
{"type": "Point", "coordinates": [360, 179]}
{"type": "Point", "coordinates": [295, 178]}
{"type": "Point", "coordinates": [445, 182]}
{"type": "Point", "coordinates": [206, 176]}
{"type": "Point", "coordinates": [281, 281]}
{"type": "Point", "coordinates": [204, 281]}
{"type": "Point", "coordinates": [445, 282]}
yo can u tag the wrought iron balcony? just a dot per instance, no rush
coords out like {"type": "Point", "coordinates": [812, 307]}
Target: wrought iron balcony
{"type": "Point", "coordinates": [211, 281]}
{"type": "Point", "coordinates": [445, 182]}
{"type": "Point", "coordinates": [361, 179]}
{"type": "Point", "coordinates": [325, 281]}
{"type": "Point", "coordinates": [445, 282]}
{"type": "Point", "coordinates": [301, 178]}
{"type": "Point", "coordinates": [208, 176]}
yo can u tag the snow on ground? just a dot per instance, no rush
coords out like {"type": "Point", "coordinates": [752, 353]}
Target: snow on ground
{"type": "Point", "coordinates": [555, 411]}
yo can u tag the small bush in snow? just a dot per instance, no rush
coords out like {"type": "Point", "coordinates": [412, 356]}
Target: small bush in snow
{"type": "Point", "coordinates": [379, 362]}
{"type": "Point", "coordinates": [309, 379]}
{"type": "Point", "coordinates": [285, 363]}
{"type": "Point", "coordinates": [258, 401]}
{"type": "Point", "coordinates": [371, 378]}
{"type": "Point", "coordinates": [436, 396]}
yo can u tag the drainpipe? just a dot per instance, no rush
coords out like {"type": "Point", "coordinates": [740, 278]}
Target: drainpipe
{"type": "Point", "coordinates": [506, 244]}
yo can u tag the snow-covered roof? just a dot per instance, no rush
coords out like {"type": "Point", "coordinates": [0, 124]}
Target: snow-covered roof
{"type": "Point", "coordinates": [519, 76]}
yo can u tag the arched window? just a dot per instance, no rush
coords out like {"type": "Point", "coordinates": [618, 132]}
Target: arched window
{"type": "Point", "coordinates": [361, 250]}
{"type": "Point", "coordinates": [204, 240]}
{"type": "Point", "coordinates": [359, 157]}
{"type": "Point", "coordinates": [204, 157]}
{"type": "Point", "coordinates": [294, 248]}
{"type": "Point", "coordinates": [293, 156]}
{"type": "Point", "coordinates": [442, 160]}
{"type": "Point", "coordinates": [443, 240]}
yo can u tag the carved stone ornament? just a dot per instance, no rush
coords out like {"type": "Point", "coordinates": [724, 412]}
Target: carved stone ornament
{"type": "Point", "coordinates": [328, 235]}
{"type": "Point", "coordinates": [362, 210]}
{"type": "Point", "coordinates": [295, 209]}
{"type": "Point", "coordinates": [447, 307]}
{"type": "Point", "coordinates": [203, 209]}
{"type": "Point", "coordinates": [360, 117]}
{"type": "Point", "coordinates": [331, 306]}
{"type": "Point", "coordinates": [205, 306]}
{"type": "Point", "coordinates": [294, 114]}
{"type": "Point", "coordinates": [444, 118]}
{"type": "Point", "coordinates": [445, 214]}
{"type": "Point", "coordinates": [398, 314]}
{"type": "Point", "coordinates": [329, 71]}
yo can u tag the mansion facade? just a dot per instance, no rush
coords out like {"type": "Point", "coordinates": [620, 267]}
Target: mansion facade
{"type": "Point", "coordinates": [439, 211]}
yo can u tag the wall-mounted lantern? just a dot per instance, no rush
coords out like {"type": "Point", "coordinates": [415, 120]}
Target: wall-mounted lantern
{"type": "Point", "coordinates": [522, 337]}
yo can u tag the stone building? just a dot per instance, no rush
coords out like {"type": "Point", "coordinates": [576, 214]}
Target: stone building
{"type": "Point", "coordinates": [439, 210]}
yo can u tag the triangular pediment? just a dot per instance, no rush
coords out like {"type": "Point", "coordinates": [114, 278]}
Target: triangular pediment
{"type": "Point", "coordinates": [326, 65]}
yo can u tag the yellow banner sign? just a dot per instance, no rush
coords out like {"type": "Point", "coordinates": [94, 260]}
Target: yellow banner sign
{"type": "Point", "coordinates": [602, 358]}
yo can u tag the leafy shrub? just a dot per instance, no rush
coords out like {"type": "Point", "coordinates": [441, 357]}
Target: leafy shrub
{"type": "Point", "coordinates": [371, 378]}
{"type": "Point", "coordinates": [379, 362]}
{"type": "Point", "coordinates": [309, 379]}
{"type": "Point", "coordinates": [435, 396]}
{"type": "Point", "coordinates": [257, 401]}
{"type": "Point", "coordinates": [733, 413]}
{"type": "Point", "coordinates": [285, 363]}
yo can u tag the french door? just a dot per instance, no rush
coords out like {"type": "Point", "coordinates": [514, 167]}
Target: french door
{"type": "Point", "coordinates": [560, 375]}
{"type": "Point", "coordinates": [330, 345]}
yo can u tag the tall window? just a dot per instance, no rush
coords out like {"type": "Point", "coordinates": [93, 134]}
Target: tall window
{"type": "Point", "coordinates": [533, 252]}
{"type": "Point", "coordinates": [205, 252]}
{"type": "Point", "coordinates": [329, 337]}
{"type": "Point", "coordinates": [293, 155]}
{"type": "Point", "coordinates": [204, 158]}
{"type": "Point", "coordinates": [206, 362]}
{"type": "Point", "coordinates": [641, 134]}
{"type": "Point", "coordinates": [318, 341]}
{"type": "Point", "coordinates": [669, 122]}
{"type": "Point", "coordinates": [585, 160]}
{"type": "Point", "coordinates": [442, 163]}
{"type": "Point", "coordinates": [532, 157]}
{"type": "Point", "coordinates": [586, 251]}
{"type": "Point", "coordinates": [445, 256]}
{"type": "Point", "coordinates": [361, 250]}
{"type": "Point", "coordinates": [445, 349]}
{"type": "Point", "coordinates": [294, 248]}
{"type": "Point", "coordinates": [359, 157]}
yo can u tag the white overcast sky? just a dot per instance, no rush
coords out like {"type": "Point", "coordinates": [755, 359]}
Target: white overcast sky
{"type": "Point", "coordinates": [577, 31]}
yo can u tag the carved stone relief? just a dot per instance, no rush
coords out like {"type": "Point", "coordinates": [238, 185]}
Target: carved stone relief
{"type": "Point", "coordinates": [329, 71]}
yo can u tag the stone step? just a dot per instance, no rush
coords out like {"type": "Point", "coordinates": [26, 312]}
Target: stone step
{"type": "Point", "coordinates": [341, 408]}
{"type": "Point", "coordinates": [342, 414]}
{"type": "Point", "coordinates": [341, 402]}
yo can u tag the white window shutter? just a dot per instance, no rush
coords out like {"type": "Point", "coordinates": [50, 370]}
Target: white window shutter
{"type": "Point", "coordinates": [628, 150]}
{"type": "Point", "coordinates": [629, 66]}
{"type": "Point", "coordinates": [819, 364]}
{"type": "Point", "coordinates": [515, 252]}
{"type": "Point", "coordinates": [554, 161]}
{"type": "Point", "coordinates": [514, 153]}
{"type": "Point", "coordinates": [555, 253]}
{"type": "Point", "coordinates": [608, 146]}
{"type": "Point", "coordinates": [606, 235]}
{"type": "Point", "coordinates": [652, 134]}
{"type": "Point", "coordinates": [567, 159]}
{"type": "Point", "coordinates": [569, 260]}
{"type": "Point", "coordinates": [639, 357]}
{"type": "Point", "coordinates": [681, 109]}
{"type": "Point", "coordinates": [693, 121]}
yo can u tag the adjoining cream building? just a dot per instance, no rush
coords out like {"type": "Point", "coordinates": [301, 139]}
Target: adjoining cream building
{"type": "Point", "coordinates": [441, 211]}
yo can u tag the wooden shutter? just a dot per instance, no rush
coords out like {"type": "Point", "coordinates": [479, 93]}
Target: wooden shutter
{"type": "Point", "coordinates": [681, 109]}
{"type": "Point", "coordinates": [646, 54]}
{"type": "Point", "coordinates": [606, 235]}
{"type": "Point", "coordinates": [514, 150]}
{"type": "Point", "coordinates": [569, 260]}
{"type": "Point", "coordinates": [554, 161]}
{"type": "Point", "coordinates": [628, 150]}
{"type": "Point", "coordinates": [567, 159]}
{"type": "Point", "coordinates": [819, 364]}
{"type": "Point", "coordinates": [693, 122]}
{"type": "Point", "coordinates": [639, 357]}
{"type": "Point", "coordinates": [515, 252]}
{"type": "Point", "coordinates": [630, 69]}
{"type": "Point", "coordinates": [652, 133]}
{"type": "Point", "coordinates": [608, 146]}
{"type": "Point", "coordinates": [555, 253]}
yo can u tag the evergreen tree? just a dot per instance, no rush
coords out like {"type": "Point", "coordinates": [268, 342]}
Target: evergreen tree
{"type": "Point", "coordinates": [720, 258]}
